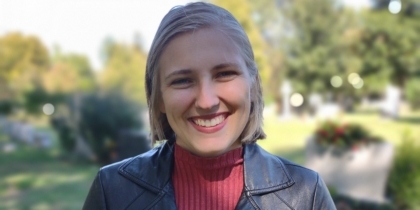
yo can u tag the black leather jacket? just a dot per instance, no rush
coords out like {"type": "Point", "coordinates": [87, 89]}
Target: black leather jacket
{"type": "Point", "coordinates": [144, 182]}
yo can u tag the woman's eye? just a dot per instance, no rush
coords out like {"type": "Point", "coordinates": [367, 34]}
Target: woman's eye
{"type": "Point", "coordinates": [226, 75]}
{"type": "Point", "coordinates": [183, 82]}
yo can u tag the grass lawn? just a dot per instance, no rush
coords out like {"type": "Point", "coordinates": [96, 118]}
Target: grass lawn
{"type": "Point", "coordinates": [33, 178]}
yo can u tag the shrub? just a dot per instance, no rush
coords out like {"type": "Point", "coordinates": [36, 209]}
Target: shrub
{"type": "Point", "coordinates": [6, 107]}
{"type": "Point", "coordinates": [38, 96]}
{"type": "Point", "coordinates": [404, 180]}
{"type": "Point", "coordinates": [347, 136]}
{"type": "Point", "coordinates": [66, 133]}
{"type": "Point", "coordinates": [102, 117]}
{"type": "Point", "coordinates": [99, 118]}
{"type": "Point", "coordinates": [412, 92]}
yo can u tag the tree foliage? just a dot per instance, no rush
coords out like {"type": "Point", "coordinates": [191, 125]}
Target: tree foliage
{"type": "Point", "coordinates": [321, 39]}
{"type": "Point", "coordinates": [124, 70]}
{"type": "Point", "coordinates": [314, 45]}
{"type": "Point", "coordinates": [390, 43]}
{"type": "Point", "coordinates": [69, 73]}
{"type": "Point", "coordinates": [23, 60]}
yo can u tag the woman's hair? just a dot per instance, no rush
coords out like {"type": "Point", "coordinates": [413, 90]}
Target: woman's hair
{"type": "Point", "coordinates": [188, 18]}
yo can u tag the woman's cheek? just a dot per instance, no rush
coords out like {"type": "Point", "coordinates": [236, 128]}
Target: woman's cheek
{"type": "Point", "coordinates": [177, 98]}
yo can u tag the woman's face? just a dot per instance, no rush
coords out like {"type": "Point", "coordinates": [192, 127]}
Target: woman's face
{"type": "Point", "coordinates": [205, 89]}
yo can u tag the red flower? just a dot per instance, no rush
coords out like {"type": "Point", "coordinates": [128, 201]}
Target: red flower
{"type": "Point", "coordinates": [351, 136]}
{"type": "Point", "coordinates": [339, 131]}
{"type": "Point", "coordinates": [323, 133]}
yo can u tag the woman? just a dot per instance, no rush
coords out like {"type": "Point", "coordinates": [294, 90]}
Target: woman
{"type": "Point", "coordinates": [205, 99]}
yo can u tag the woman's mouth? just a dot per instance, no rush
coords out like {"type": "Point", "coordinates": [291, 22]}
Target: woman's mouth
{"type": "Point", "coordinates": [209, 122]}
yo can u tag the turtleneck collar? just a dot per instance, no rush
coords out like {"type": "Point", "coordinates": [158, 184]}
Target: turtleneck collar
{"type": "Point", "coordinates": [229, 159]}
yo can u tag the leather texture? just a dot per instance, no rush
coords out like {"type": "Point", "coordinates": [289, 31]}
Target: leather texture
{"type": "Point", "coordinates": [144, 182]}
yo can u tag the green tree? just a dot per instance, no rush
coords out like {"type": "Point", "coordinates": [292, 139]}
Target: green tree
{"type": "Point", "coordinates": [69, 73]}
{"type": "Point", "coordinates": [23, 60]}
{"type": "Point", "coordinates": [391, 47]}
{"type": "Point", "coordinates": [314, 45]}
{"type": "Point", "coordinates": [124, 70]}
{"type": "Point", "coordinates": [321, 39]}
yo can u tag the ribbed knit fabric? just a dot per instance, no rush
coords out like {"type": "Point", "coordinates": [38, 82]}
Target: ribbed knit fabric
{"type": "Point", "coordinates": [207, 183]}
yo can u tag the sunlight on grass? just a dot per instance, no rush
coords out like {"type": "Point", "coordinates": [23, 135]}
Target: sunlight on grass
{"type": "Point", "coordinates": [33, 178]}
{"type": "Point", "coordinates": [20, 181]}
{"type": "Point", "coordinates": [58, 187]}
{"type": "Point", "coordinates": [36, 180]}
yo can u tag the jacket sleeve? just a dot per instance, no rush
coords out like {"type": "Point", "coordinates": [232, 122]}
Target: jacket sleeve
{"type": "Point", "coordinates": [322, 198]}
{"type": "Point", "coordinates": [96, 196]}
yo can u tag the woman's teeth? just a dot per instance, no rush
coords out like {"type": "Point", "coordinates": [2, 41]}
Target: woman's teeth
{"type": "Point", "coordinates": [210, 122]}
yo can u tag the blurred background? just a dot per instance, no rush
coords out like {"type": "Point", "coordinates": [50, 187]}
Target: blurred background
{"type": "Point", "coordinates": [339, 77]}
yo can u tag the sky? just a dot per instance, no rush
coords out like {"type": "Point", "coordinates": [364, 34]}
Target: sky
{"type": "Point", "coordinates": [81, 26]}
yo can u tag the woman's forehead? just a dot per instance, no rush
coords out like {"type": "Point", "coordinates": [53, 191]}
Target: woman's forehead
{"type": "Point", "coordinates": [203, 48]}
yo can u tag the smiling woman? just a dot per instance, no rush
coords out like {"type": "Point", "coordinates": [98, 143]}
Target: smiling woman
{"type": "Point", "coordinates": [204, 97]}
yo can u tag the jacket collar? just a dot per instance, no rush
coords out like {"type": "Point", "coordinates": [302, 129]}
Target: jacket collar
{"type": "Point", "coordinates": [151, 170]}
{"type": "Point", "coordinates": [263, 172]}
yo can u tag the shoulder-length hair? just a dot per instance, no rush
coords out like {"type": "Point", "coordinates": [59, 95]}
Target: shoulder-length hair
{"type": "Point", "coordinates": [188, 18]}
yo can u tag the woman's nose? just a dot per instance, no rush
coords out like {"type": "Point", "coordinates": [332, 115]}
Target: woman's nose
{"type": "Point", "coordinates": [207, 97]}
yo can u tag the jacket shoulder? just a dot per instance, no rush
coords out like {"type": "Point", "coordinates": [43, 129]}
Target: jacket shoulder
{"type": "Point", "coordinates": [308, 186]}
{"type": "Point", "coordinates": [141, 157]}
{"type": "Point", "coordinates": [298, 172]}
{"type": "Point", "coordinates": [123, 184]}
{"type": "Point", "coordinates": [111, 171]}
{"type": "Point", "coordinates": [285, 184]}
{"type": "Point", "coordinates": [280, 172]}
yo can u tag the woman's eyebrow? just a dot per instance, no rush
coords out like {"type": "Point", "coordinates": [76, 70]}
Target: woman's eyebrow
{"type": "Point", "coordinates": [225, 65]}
{"type": "Point", "coordinates": [178, 72]}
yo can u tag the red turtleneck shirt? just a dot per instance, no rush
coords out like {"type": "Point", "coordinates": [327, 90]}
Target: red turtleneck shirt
{"type": "Point", "coordinates": [207, 183]}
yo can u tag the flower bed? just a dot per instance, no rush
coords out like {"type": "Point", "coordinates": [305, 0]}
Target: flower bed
{"type": "Point", "coordinates": [350, 160]}
{"type": "Point", "coordinates": [344, 136]}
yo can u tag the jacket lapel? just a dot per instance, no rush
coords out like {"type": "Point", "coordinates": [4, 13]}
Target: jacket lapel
{"type": "Point", "coordinates": [263, 174]}
{"type": "Point", "coordinates": [152, 171]}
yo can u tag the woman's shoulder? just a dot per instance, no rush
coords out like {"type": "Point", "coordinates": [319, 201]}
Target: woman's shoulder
{"type": "Point", "coordinates": [293, 184]}
{"type": "Point", "coordinates": [279, 173]}
{"type": "Point", "coordinates": [275, 162]}
{"type": "Point", "coordinates": [300, 174]}
{"type": "Point", "coordinates": [150, 170]}
{"type": "Point", "coordinates": [145, 174]}
{"type": "Point", "coordinates": [145, 161]}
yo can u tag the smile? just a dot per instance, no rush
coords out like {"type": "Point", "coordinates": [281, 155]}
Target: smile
{"type": "Point", "coordinates": [209, 122]}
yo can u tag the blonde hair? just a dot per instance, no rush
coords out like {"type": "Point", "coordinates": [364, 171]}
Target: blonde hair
{"type": "Point", "coordinates": [183, 19]}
